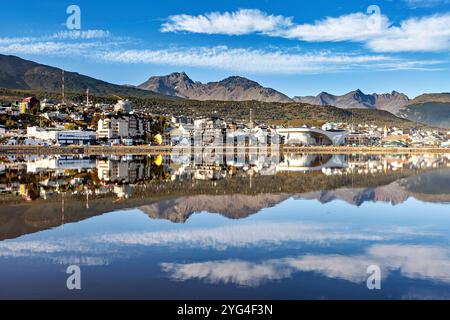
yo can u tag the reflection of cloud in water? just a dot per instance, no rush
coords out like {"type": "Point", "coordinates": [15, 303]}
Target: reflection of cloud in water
{"type": "Point", "coordinates": [56, 251]}
{"type": "Point", "coordinates": [229, 271]}
{"type": "Point", "coordinates": [414, 262]}
{"type": "Point", "coordinates": [248, 234]}
{"type": "Point", "coordinates": [81, 261]}
{"type": "Point", "coordinates": [23, 248]}
{"type": "Point", "coordinates": [260, 233]}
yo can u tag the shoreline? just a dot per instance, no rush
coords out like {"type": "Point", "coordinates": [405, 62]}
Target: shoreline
{"type": "Point", "coordinates": [156, 150]}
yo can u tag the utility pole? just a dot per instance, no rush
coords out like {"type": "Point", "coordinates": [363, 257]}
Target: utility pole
{"type": "Point", "coordinates": [62, 87]}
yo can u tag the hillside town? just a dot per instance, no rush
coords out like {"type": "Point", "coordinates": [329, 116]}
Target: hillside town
{"type": "Point", "coordinates": [49, 123]}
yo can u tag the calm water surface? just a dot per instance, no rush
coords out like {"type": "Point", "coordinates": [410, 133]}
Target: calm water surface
{"type": "Point", "coordinates": [296, 227]}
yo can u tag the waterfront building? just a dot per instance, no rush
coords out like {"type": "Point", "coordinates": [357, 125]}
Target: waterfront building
{"type": "Point", "coordinates": [121, 127]}
{"type": "Point", "coordinates": [112, 127]}
{"type": "Point", "coordinates": [305, 136]}
{"type": "Point", "coordinates": [179, 136]}
{"type": "Point", "coordinates": [363, 139]}
{"type": "Point", "coordinates": [208, 131]}
{"type": "Point", "coordinates": [393, 140]}
{"type": "Point", "coordinates": [182, 120]}
{"type": "Point", "coordinates": [63, 137]}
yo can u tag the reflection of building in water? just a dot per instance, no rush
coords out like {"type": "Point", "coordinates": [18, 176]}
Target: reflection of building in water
{"type": "Point", "coordinates": [120, 170]}
{"type": "Point", "coordinates": [213, 166]}
{"type": "Point", "coordinates": [123, 191]}
{"type": "Point", "coordinates": [312, 162]}
{"type": "Point", "coordinates": [35, 177]}
{"type": "Point", "coordinates": [60, 163]}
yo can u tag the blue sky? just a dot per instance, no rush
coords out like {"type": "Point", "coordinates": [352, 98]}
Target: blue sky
{"type": "Point", "coordinates": [297, 47]}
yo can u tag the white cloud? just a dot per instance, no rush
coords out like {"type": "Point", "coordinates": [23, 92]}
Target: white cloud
{"type": "Point", "coordinates": [61, 35]}
{"type": "Point", "coordinates": [241, 22]}
{"type": "Point", "coordinates": [81, 34]}
{"type": "Point", "coordinates": [263, 61]}
{"type": "Point", "coordinates": [352, 27]}
{"type": "Point", "coordinates": [103, 46]}
{"type": "Point", "coordinates": [63, 43]}
{"type": "Point", "coordinates": [51, 48]}
{"type": "Point", "coordinates": [425, 34]}
{"type": "Point", "coordinates": [425, 3]}
{"type": "Point", "coordinates": [430, 33]}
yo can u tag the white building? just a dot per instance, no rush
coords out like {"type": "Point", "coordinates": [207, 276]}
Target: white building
{"type": "Point", "coordinates": [312, 136]}
{"type": "Point", "coordinates": [112, 128]}
{"type": "Point", "coordinates": [55, 115]}
{"type": "Point", "coordinates": [46, 103]}
{"type": "Point", "coordinates": [62, 136]}
{"type": "Point", "coordinates": [77, 116]}
{"type": "Point", "coordinates": [123, 106]}
{"type": "Point", "coordinates": [11, 111]}
{"type": "Point", "coordinates": [120, 127]}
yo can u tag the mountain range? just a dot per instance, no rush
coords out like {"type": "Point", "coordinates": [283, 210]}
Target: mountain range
{"type": "Point", "coordinates": [431, 109]}
{"type": "Point", "coordinates": [230, 89]}
{"type": "Point", "coordinates": [16, 73]}
{"type": "Point", "coordinates": [392, 102]}
{"type": "Point", "coordinates": [241, 89]}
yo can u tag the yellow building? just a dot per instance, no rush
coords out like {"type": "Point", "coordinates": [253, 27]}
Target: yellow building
{"type": "Point", "coordinates": [23, 109]}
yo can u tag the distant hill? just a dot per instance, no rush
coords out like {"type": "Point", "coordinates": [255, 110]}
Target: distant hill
{"type": "Point", "coordinates": [392, 102]}
{"type": "Point", "coordinates": [17, 73]}
{"type": "Point", "coordinates": [430, 108]}
{"type": "Point", "coordinates": [431, 97]}
{"type": "Point", "coordinates": [432, 113]}
{"type": "Point", "coordinates": [230, 89]}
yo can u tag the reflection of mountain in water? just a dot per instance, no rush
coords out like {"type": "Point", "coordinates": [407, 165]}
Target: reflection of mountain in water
{"type": "Point", "coordinates": [235, 206]}
{"type": "Point", "coordinates": [235, 197]}
{"type": "Point", "coordinates": [392, 193]}
{"type": "Point", "coordinates": [431, 186]}
{"type": "Point", "coordinates": [432, 183]}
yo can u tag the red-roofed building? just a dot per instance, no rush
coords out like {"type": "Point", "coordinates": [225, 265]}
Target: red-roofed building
{"type": "Point", "coordinates": [29, 103]}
